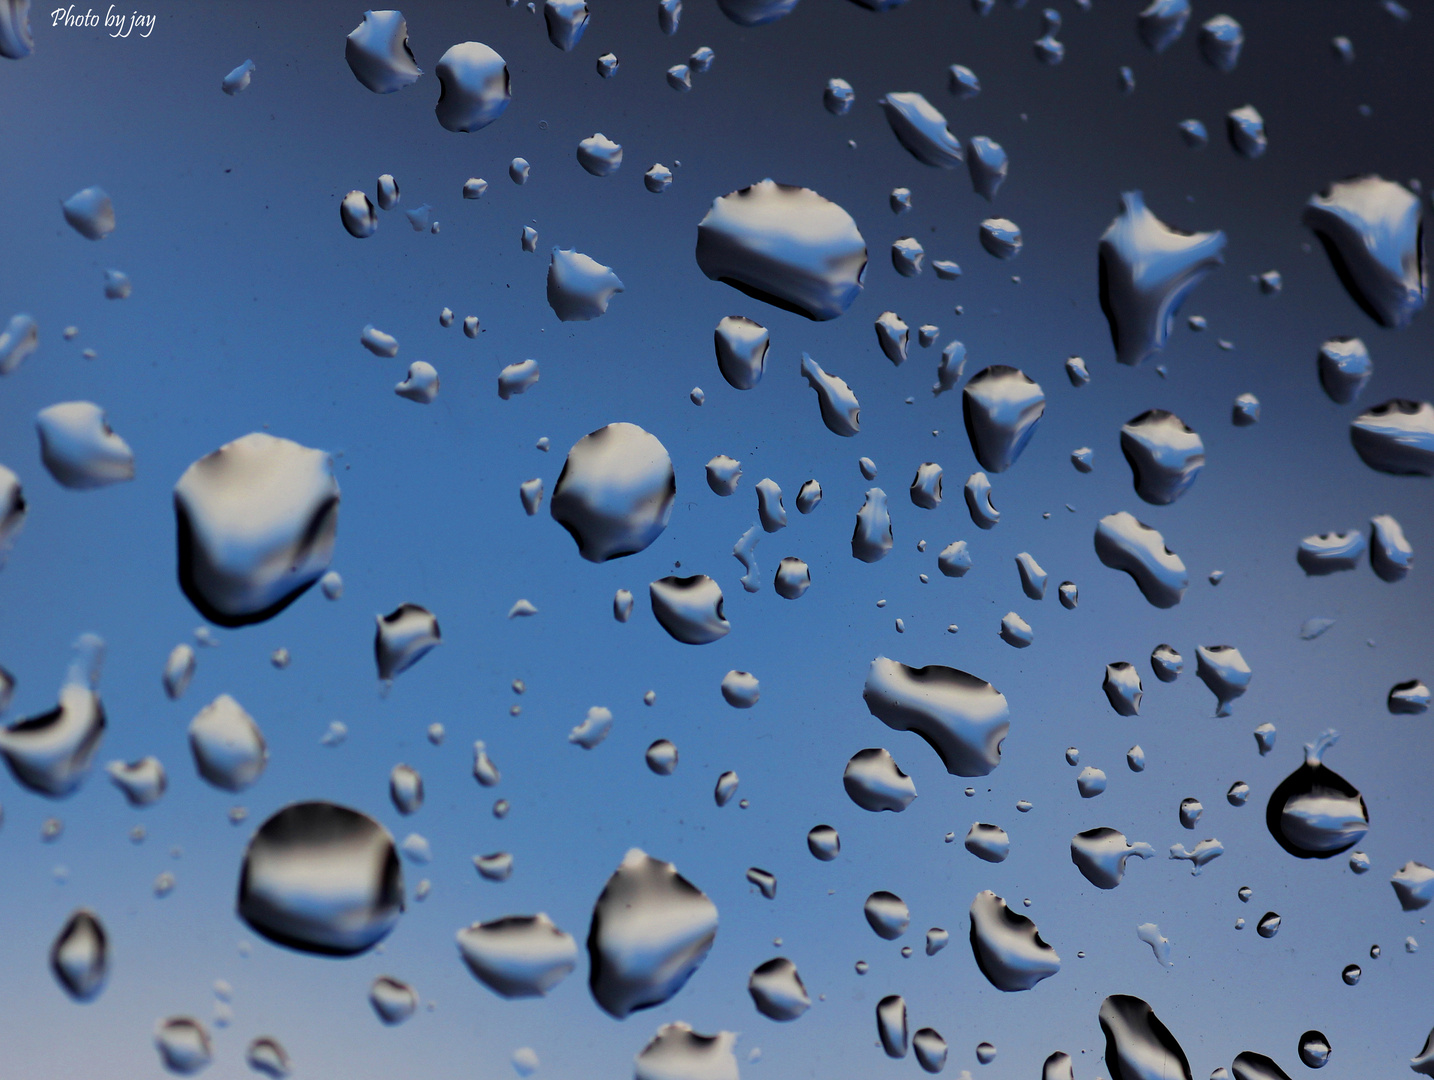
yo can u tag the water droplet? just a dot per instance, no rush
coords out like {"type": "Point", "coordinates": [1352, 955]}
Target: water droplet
{"type": "Point", "coordinates": [1123, 543]}
{"type": "Point", "coordinates": [90, 213]}
{"type": "Point", "coordinates": [679, 77]}
{"type": "Point", "coordinates": [1100, 855]}
{"type": "Point", "coordinates": [335, 734]}
{"type": "Point", "coordinates": [1396, 437]}
{"type": "Point", "coordinates": [657, 179]}
{"type": "Point", "coordinates": [985, 1053]}
{"type": "Point", "coordinates": [1008, 948]}
{"type": "Point", "coordinates": [988, 165]}
{"type": "Point", "coordinates": [1081, 459]}
{"type": "Point", "coordinates": [669, 14]}
{"type": "Point", "coordinates": [495, 867]}
{"type": "Point", "coordinates": [178, 671]}
{"type": "Point", "coordinates": [51, 753]}
{"type": "Point", "coordinates": [872, 540]}
{"type": "Point", "coordinates": [947, 270]}
{"type": "Point", "coordinates": [607, 65]}
{"type": "Point", "coordinates": [962, 717]}
{"type": "Point", "coordinates": [1002, 406]}
{"type": "Point", "coordinates": [892, 334]}
{"type": "Point", "coordinates": [1199, 855]}
{"type": "Point", "coordinates": [520, 956]}
{"type": "Point", "coordinates": [79, 448]}
{"type": "Point", "coordinates": [1370, 229]}
{"type": "Point", "coordinates": [891, 1025]}
{"type": "Point", "coordinates": [321, 878]}
{"type": "Point", "coordinates": [1221, 40]}
{"type": "Point", "coordinates": [990, 843]}
{"type": "Point", "coordinates": [599, 155]}
{"type": "Point", "coordinates": [1147, 269]}
{"type": "Point", "coordinates": [117, 285]}
{"type": "Point", "coordinates": [1246, 130]}
{"type": "Point", "coordinates": [518, 170]}
{"type": "Point", "coordinates": [1238, 794]}
{"type": "Point", "coordinates": [785, 246]}
{"type": "Point", "coordinates": [332, 585]}
{"type": "Point", "coordinates": [403, 637]}
{"type": "Point", "coordinates": [358, 215]}
{"type": "Point", "coordinates": [907, 256]}
{"type": "Point", "coordinates": [723, 472]}
{"type": "Point", "coordinates": [741, 347]}
{"type": "Point", "coordinates": [921, 128]}
{"type": "Point", "coordinates": [1224, 671]}
{"type": "Point", "coordinates": [741, 689]}
{"type": "Point", "coordinates": [764, 880]}
{"type": "Point", "coordinates": [579, 287]}
{"type": "Point", "coordinates": [769, 505]}
{"type": "Point", "coordinates": [978, 501]}
{"type": "Point", "coordinates": [651, 930]}
{"type": "Point", "coordinates": [793, 579]}
{"type": "Point", "coordinates": [1408, 698]}
{"type": "Point", "coordinates": [1414, 885]}
{"type": "Point", "coordinates": [1165, 455]}
{"type": "Point", "coordinates": [1122, 688]}
{"type": "Point", "coordinates": [1351, 974]}
{"type": "Point", "coordinates": [20, 338]}
{"type": "Point", "coordinates": [164, 884]}
{"type": "Point", "coordinates": [841, 412]}
{"type": "Point", "coordinates": [679, 1053]}
{"type": "Point", "coordinates": [874, 781]}
{"type": "Point", "coordinates": [1138, 1045]}
{"type": "Point", "coordinates": [596, 727]}
{"type": "Point", "coordinates": [567, 21]}
{"type": "Point", "coordinates": [267, 1055]}
{"type": "Point", "coordinates": [1194, 135]}
{"type": "Point", "coordinates": [1135, 758]}
{"type": "Point", "coordinates": [143, 782]}
{"type": "Point", "coordinates": [1314, 1049]}
{"type": "Point", "coordinates": [79, 957]}
{"type": "Point", "coordinates": [1069, 595]}
{"type": "Point", "coordinates": [725, 789]}
{"type": "Point", "coordinates": [809, 497]}
{"type": "Point", "coordinates": [1390, 554]}
{"type": "Point", "coordinates": [615, 492]}
{"type": "Point", "coordinates": [661, 757]}
{"type": "Point", "coordinates": [1015, 631]}
{"type": "Point", "coordinates": [1327, 553]}
{"type": "Point", "coordinates": [1000, 237]}
{"type": "Point", "coordinates": [689, 609]}
{"type": "Point", "coordinates": [1091, 782]}
{"type": "Point", "coordinates": [405, 788]}
{"type": "Point", "coordinates": [421, 385]}
{"type": "Point", "coordinates": [392, 1000]}
{"type": "Point", "coordinates": [183, 1042]}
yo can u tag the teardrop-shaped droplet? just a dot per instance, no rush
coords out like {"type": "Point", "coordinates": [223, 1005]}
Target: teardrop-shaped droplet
{"type": "Point", "coordinates": [1100, 856]}
{"type": "Point", "coordinates": [1315, 813]}
{"type": "Point", "coordinates": [841, 412]}
{"type": "Point", "coordinates": [919, 126]}
{"type": "Point", "coordinates": [393, 1000]}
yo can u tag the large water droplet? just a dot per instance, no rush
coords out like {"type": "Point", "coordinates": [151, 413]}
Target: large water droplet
{"type": "Point", "coordinates": [403, 637]}
{"type": "Point", "coordinates": [1123, 543]}
{"type": "Point", "coordinates": [1326, 553]}
{"type": "Point", "coordinates": [1396, 437]}
{"type": "Point", "coordinates": [1267, 927]}
{"type": "Point", "coordinates": [786, 246]}
{"type": "Point", "coordinates": [257, 520]}
{"type": "Point", "coordinates": [579, 287]}
{"type": "Point", "coordinates": [874, 782]}
{"type": "Point", "coordinates": [1315, 813]}
{"type": "Point", "coordinates": [16, 43]}
{"type": "Point", "coordinates": [79, 447]}
{"type": "Point", "coordinates": [321, 878]}
{"type": "Point", "coordinates": [378, 54]}
{"type": "Point", "coordinates": [651, 929]}
{"type": "Point", "coordinates": [1224, 671]}
{"type": "Point", "coordinates": [615, 492]}
{"type": "Point", "coordinates": [891, 1025]}
{"type": "Point", "coordinates": [567, 21]}
{"type": "Point", "coordinates": [519, 956]}
{"type": "Point", "coordinates": [930, 1049]}
{"type": "Point", "coordinates": [679, 1053]}
{"type": "Point", "coordinates": [962, 717]}
{"type": "Point", "coordinates": [887, 914]}
{"type": "Point", "coordinates": [871, 540]}
{"type": "Point", "coordinates": [51, 753]}
{"type": "Point", "coordinates": [1122, 688]}
{"type": "Point", "coordinates": [1007, 946]}
{"type": "Point", "coordinates": [183, 1043]}
{"type": "Point", "coordinates": [919, 126]}
{"type": "Point", "coordinates": [1147, 269]}
{"type": "Point", "coordinates": [741, 350]}
{"type": "Point", "coordinates": [1100, 855]}
{"type": "Point", "coordinates": [841, 412]}
{"type": "Point", "coordinates": [79, 957]}
{"type": "Point", "coordinates": [777, 990]}
{"type": "Point", "coordinates": [1137, 1045]}
{"type": "Point", "coordinates": [1390, 554]}
{"type": "Point", "coordinates": [1371, 230]}
{"type": "Point", "coordinates": [690, 608]}
{"type": "Point", "coordinates": [599, 155]}
{"type": "Point", "coordinates": [1002, 406]}
{"type": "Point", "coordinates": [1165, 455]}
{"type": "Point", "coordinates": [1251, 1066]}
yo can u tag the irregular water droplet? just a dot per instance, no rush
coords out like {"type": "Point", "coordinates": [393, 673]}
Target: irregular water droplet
{"type": "Point", "coordinates": [1159, 943]}
{"type": "Point", "coordinates": [744, 551]}
{"type": "Point", "coordinates": [793, 578]}
{"type": "Point", "coordinates": [579, 287]}
{"type": "Point", "coordinates": [377, 52]}
{"type": "Point", "coordinates": [899, 200]}
{"type": "Point", "coordinates": [1147, 269]}
{"type": "Point", "coordinates": [403, 637]}
{"type": "Point", "coordinates": [764, 880]}
{"type": "Point", "coordinates": [841, 412]}
{"type": "Point", "coordinates": [988, 164]}
{"type": "Point", "coordinates": [599, 155]}
{"type": "Point", "coordinates": [1123, 543]}
{"type": "Point", "coordinates": [1008, 948]}
{"type": "Point", "coordinates": [79, 448]}
{"type": "Point", "coordinates": [595, 727]}
{"type": "Point", "coordinates": [651, 930]}
{"type": "Point", "coordinates": [20, 338]}
{"type": "Point", "coordinates": [517, 378]}
{"type": "Point", "coordinates": [907, 256]}
{"type": "Point", "coordinates": [1327, 553]}
{"type": "Point", "coordinates": [520, 956]}
{"type": "Point", "coordinates": [978, 501]}
{"type": "Point", "coordinates": [1221, 40]}
{"type": "Point", "coordinates": [405, 788]}
{"type": "Point", "coordinates": [921, 128]}
{"type": "Point", "coordinates": [143, 782]}
{"type": "Point", "coordinates": [657, 179]}
{"type": "Point", "coordinates": [872, 540]}
{"type": "Point", "coordinates": [1015, 631]}
{"type": "Point", "coordinates": [1160, 26]}
{"type": "Point", "coordinates": [1246, 130]}
{"type": "Point", "coordinates": [421, 386]}
{"type": "Point", "coordinates": [1390, 554]}
{"type": "Point", "coordinates": [962, 717]}
{"type": "Point", "coordinates": [178, 671]}
{"type": "Point", "coordinates": [1100, 855]}
{"type": "Point", "coordinates": [1424, 1063]}
{"type": "Point", "coordinates": [1137, 1045]}
{"type": "Point", "coordinates": [741, 347]}
{"type": "Point", "coordinates": [1165, 455]}
{"type": "Point", "coordinates": [1414, 886]}
{"type": "Point", "coordinates": [183, 1043]}
{"type": "Point", "coordinates": [679, 1053]}
{"type": "Point", "coordinates": [321, 878]}
{"type": "Point", "coordinates": [891, 1025]}
{"type": "Point", "coordinates": [1199, 855]}
{"type": "Point", "coordinates": [838, 97]}
{"type": "Point", "coordinates": [679, 77]}
{"type": "Point", "coordinates": [769, 505]}
{"type": "Point", "coordinates": [1069, 595]}
{"type": "Point", "coordinates": [955, 559]}
{"type": "Point", "coordinates": [228, 747]}
{"type": "Point", "coordinates": [1091, 782]}
{"type": "Point", "coordinates": [1002, 406]}
{"type": "Point", "coordinates": [1396, 437]}
{"type": "Point", "coordinates": [990, 843]}
{"type": "Point", "coordinates": [90, 213]}
{"type": "Point", "coordinates": [1224, 671]}
{"type": "Point", "coordinates": [117, 285]}
{"type": "Point", "coordinates": [267, 1055]}
{"type": "Point", "coordinates": [723, 472]}
{"type": "Point", "coordinates": [529, 244]}
{"type": "Point", "coordinates": [51, 753]}
{"type": "Point", "coordinates": [495, 867]}
{"type": "Point", "coordinates": [669, 14]}
{"type": "Point", "coordinates": [777, 990]}
{"type": "Point", "coordinates": [1344, 368]}
{"type": "Point", "coordinates": [615, 492]}
{"type": "Point", "coordinates": [377, 342]}
{"type": "Point", "coordinates": [1000, 237]}
{"type": "Point", "coordinates": [1122, 688]}
{"type": "Point", "coordinates": [785, 246]}
{"type": "Point", "coordinates": [567, 21]}
{"type": "Point", "coordinates": [475, 187]}
{"type": "Point", "coordinates": [1167, 663]}
{"type": "Point", "coordinates": [1194, 134]}
{"type": "Point", "coordinates": [1081, 459]}
{"type": "Point", "coordinates": [741, 689]}
{"type": "Point", "coordinates": [874, 782]}
{"type": "Point", "coordinates": [1370, 228]}
{"type": "Point", "coordinates": [689, 609]}
{"type": "Point", "coordinates": [892, 334]}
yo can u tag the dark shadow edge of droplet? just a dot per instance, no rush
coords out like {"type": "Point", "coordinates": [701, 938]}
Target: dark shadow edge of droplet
{"type": "Point", "coordinates": [1156, 1026]}
{"type": "Point", "coordinates": [1347, 279]}
{"type": "Point", "coordinates": [1298, 782]}
{"type": "Point", "coordinates": [185, 545]}
{"type": "Point", "coordinates": [776, 301]}
{"type": "Point", "coordinates": [1106, 307]}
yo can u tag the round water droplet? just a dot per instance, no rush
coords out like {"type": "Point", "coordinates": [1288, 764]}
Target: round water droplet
{"type": "Point", "coordinates": [662, 757]}
{"type": "Point", "coordinates": [1269, 925]}
{"type": "Point", "coordinates": [1351, 974]}
{"type": "Point", "coordinates": [184, 1045]}
{"type": "Point", "coordinates": [777, 990]}
{"type": "Point", "coordinates": [824, 843]}
{"type": "Point", "coordinates": [615, 493]}
{"type": "Point", "coordinates": [392, 1000]}
{"type": "Point", "coordinates": [741, 689]}
{"type": "Point", "coordinates": [985, 1053]}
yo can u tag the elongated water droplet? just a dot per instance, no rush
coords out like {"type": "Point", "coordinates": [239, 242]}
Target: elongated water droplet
{"type": "Point", "coordinates": [988, 164]}
{"type": "Point", "coordinates": [595, 727]}
{"type": "Point", "coordinates": [1033, 578]}
{"type": "Point", "coordinates": [962, 717]}
{"type": "Point", "coordinates": [785, 246]}
{"type": "Point", "coordinates": [495, 867]}
{"type": "Point", "coordinates": [519, 956]}
{"type": "Point", "coordinates": [321, 878]}
{"type": "Point", "coordinates": [741, 347]}
{"type": "Point", "coordinates": [871, 540]}
{"type": "Point", "coordinates": [1123, 543]}
{"type": "Point", "coordinates": [1246, 130]}
{"type": "Point", "coordinates": [1390, 554]}
{"type": "Point", "coordinates": [651, 930]}
{"type": "Point", "coordinates": [51, 753]}
{"type": "Point", "coordinates": [887, 914]}
{"type": "Point", "coordinates": [764, 880]}
{"type": "Point", "coordinates": [1100, 855]}
{"type": "Point", "coordinates": [1137, 1045]}
{"type": "Point", "coordinates": [726, 787]}
{"type": "Point", "coordinates": [841, 412]}
{"type": "Point", "coordinates": [1122, 688]}
{"type": "Point", "coordinates": [615, 492]}
{"type": "Point", "coordinates": [978, 501]}
{"type": "Point", "coordinates": [769, 505]}
{"type": "Point", "coordinates": [1370, 228]}
{"type": "Point", "coordinates": [874, 781]}
{"type": "Point", "coordinates": [20, 338]}
{"type": "Point", "coordinates": [1224, 671]}
{"type": "Point", "coordinates": [1008, 948]}
{"type": "Point", "coordinates": [892, 335]}
{"type": "Point", "coordinates": [79, 957]}
{"type": "Point", "coordinates": [405, 788]}
{"type": "Point", "coordinates": [1327, 553]}
{"type": "Point", "coordinates": [919, 126]}
{"type": "Point", "coordinates": [891, 1025]}
{"type": "Point", "coordinates": [388, 196]}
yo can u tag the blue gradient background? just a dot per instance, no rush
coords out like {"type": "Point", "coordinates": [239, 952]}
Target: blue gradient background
{"type": "Point", "coordinates": [247, 306]}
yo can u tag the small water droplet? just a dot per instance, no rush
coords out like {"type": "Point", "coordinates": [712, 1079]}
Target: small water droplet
{"type": "Point", "coordinates": [725, 789]}
{"type": "Point", "coordinates": [183, 1042]}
